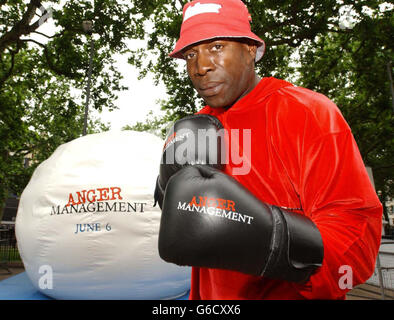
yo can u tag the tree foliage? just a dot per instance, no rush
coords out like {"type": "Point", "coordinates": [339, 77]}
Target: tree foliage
{"type": "Point", "coordinates": [43, 75]}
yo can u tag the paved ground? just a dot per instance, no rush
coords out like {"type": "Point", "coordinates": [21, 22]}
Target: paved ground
{"type": "Point", "coordinates": [369, 292]}
{"type": "Point", "coordinates": [4, 274]}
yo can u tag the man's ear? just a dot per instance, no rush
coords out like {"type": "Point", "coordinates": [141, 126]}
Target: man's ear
{"type": "Point", "coordinates": [251, 49]}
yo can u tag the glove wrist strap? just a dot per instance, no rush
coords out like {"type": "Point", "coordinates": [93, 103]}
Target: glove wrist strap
{"type": "Point", "coordinates": [296, 247]}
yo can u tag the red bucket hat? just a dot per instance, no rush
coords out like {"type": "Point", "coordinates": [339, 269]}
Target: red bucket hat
{"type": "Point", "coordinates": [209, 19]}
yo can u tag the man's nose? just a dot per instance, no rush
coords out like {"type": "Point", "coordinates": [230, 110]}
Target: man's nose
{"type": "Point", "coordinates": [204, 64]}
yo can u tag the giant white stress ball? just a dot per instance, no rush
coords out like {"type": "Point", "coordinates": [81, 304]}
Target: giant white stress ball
{"type": "Point", "coordinates": [86, 226]}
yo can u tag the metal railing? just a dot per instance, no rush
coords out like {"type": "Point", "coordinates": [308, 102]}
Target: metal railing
{"type": "Point", "coordinates": [383, 276]}
{"type": "Point", "coordinates": [8, 248]}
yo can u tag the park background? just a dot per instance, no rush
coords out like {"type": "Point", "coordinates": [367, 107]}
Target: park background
{"type": "Point", "coordinates": [73, 67]}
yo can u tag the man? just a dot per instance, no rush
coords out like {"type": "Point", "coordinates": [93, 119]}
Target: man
{"type": "Point", "coordinates": [304, 212]}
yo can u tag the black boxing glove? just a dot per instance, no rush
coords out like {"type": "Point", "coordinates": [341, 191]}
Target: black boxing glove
{"type": "Point", "coordinates": [210, 220]}
{"type": "Point", "coordinates": [196, 139]}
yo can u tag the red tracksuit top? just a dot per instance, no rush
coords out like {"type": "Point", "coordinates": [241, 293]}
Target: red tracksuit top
{"type": "Point", "coordinates": [303, 158]}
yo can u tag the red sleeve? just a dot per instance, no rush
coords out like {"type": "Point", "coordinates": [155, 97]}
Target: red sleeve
{"type": "Point", "coordinates": [336, 193]}
{"type": "Point", "coordinates": [338, 196]}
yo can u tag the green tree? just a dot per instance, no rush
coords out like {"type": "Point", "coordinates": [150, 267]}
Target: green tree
{"type": "Point", "coordinates": [351, 67]}
{"type": "Point", "coordinates": [43, 77]}
{"type": "Point", "coordinates": [309, 43]}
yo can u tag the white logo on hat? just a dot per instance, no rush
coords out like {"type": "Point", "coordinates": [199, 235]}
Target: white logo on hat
{"type": "Point", "coordinates": [199, 8]}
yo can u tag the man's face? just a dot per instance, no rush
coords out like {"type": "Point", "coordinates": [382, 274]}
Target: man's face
{"type": "Point", "coordinates": [222, 71]}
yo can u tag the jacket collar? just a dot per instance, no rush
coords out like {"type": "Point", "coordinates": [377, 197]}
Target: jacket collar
{"type": "Point", "coordinates": [263, 89]}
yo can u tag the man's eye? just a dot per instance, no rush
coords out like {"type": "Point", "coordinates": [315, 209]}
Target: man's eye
{"type": "Point", "coordinates": [189, 56]}
{"type": "Point", "coordinates": [217, 47]}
